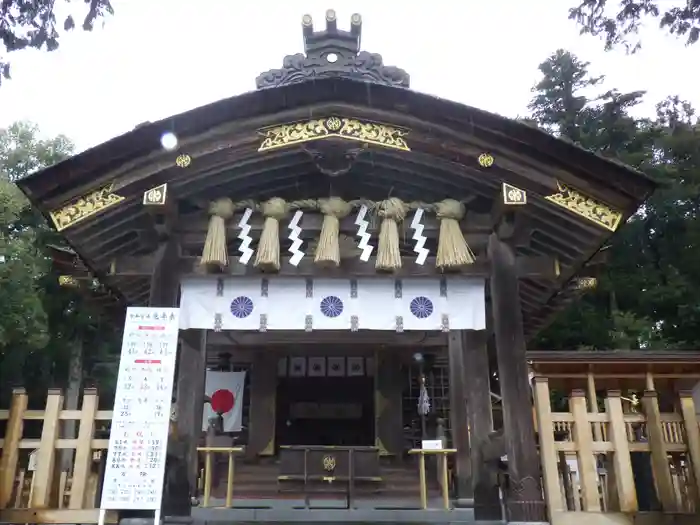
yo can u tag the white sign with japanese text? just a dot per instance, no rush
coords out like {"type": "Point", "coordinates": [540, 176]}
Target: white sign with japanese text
{"type": "Point", "coordinates": [139, 433]}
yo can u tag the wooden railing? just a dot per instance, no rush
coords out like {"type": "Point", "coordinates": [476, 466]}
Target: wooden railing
{"type": "Point", "coordinates": [444, 484]}
{"type": "Point", "coordinates": [206, 474]}
{"type": "Point", "coordinates": [32, 487]}
{"type": "Point", "coordinates": [602, 445]}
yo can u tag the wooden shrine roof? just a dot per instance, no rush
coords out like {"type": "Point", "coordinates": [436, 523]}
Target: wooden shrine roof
{"type": "Point", "coordinates": [391, 141]}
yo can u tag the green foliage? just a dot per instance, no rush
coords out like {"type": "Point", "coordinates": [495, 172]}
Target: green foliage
{"type": "Point", "coordinates": [32, 24]}
{"type": "Point", "coordinates": [41, 321]}
{"type": "Point", "coordinates": [617, 24]}
{"type": "Point", "coordinates": [647, 294]}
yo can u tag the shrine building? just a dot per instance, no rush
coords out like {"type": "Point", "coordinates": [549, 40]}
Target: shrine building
{"type": "Point", "coordinates": [374, 260]}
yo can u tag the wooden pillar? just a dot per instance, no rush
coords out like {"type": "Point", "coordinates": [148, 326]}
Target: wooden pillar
{"type": "Point", "coordinates": [388, 385]}
{"type": "Point", "coordinates": [190, 403]}
{"type": "Point", "coordinates": [458, 414]}
{"type": "Point", "coordinates": [659, 454]}
{"type": "Point", "coordinates": [263, 399]}
{"type": "Point", "coordinates": [524, 501]}
{"type": "Point", "coordinates": [692, 435]}
{"type": "Point", "coordinates": [484, 482]}
{"type": "Point", "coordinates": [180, 475]}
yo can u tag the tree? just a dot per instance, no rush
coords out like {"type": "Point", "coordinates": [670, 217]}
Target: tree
{"type": "Point", "coordinates": [32, 24]}
{"type": "Point", "coordinates": [620, 23]}
{"type": "Point", "coordinates": [565, 105]}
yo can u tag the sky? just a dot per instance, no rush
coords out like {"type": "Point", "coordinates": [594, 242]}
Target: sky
{"type": "Point", "coordinates": [157, 58]}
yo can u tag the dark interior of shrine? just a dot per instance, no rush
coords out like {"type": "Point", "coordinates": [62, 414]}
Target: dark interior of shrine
{"type": "Point", "coordinates": [325, 411]}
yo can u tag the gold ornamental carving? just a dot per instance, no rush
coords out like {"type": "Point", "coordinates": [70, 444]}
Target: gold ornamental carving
{"type": "Point", "coordinates": [329, 463]}
{"type": "Point", "coordinates": [587, 207]}
{"type": "Point", "coordinates": [513, 196]}
{"type": "Point", "coordinates": [84, 207]}
{"type": "Point", "coordinates": [156, 196]}
{"type": "Point", "coordinates": [585, 283]}
{"type": "Point", "coordinates": [339, 127]}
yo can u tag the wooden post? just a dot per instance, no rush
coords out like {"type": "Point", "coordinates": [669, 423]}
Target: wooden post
{"type": "Point", "coordinates": [388, 385]}
{"type": "Point", "coordinates": [622, 462]}
{"type": "Point", "coordinates": [458, 414]}
{"type": "Point", "coordinates": [659, 454]}
{"type": "Point", "coordinates": [487, 500]}
{"type": "Point", "coordinates": [584, 446]}
{"type": "Point", "coordinates": [524, 500]}
{"type": "Point", "coordinates": [262, 419]}
{"type": "Point", "coordinates": [83, 450]}
{"type": "Point", "coordinates": [692, 436]}
{"type": "Point", "coordinates": [548, 451]}
{"type": "Point", "coordinates": [593, 405]}
{"type": "Point", "coordinates": [190, 405]}
{"type": "Point", "coordinates": [46, 456]}
{"type": "Point", "coordinates": [10, 449]}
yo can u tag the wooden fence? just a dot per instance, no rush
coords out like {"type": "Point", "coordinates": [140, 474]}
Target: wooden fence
{"type": "Point", "coordinates": [603, 444]}
{"type": "Point", "coordinates": [32, 487]}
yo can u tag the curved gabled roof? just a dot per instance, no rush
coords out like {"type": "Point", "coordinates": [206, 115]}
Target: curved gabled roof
{"type": "Point", "coordinates": [443, 142]}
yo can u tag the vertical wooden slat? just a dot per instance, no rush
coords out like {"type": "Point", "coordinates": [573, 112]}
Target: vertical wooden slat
{"type": "Point", "coordinates": [659, 453]}
{"type": "Point", "coordinates": [593, 403]}
{"type": "Point", "coordinates": [10, 450]}
{"type": "Point", "coordinates": [423, 481]}
{"type": "Point", "coordinates": [588, 477]}
{"type": "Point", "coordinates": [229, 480]}
{"type": "Point", "coordinates": [83, 452]}
{"type": "Point", "coordinates": [622, 464]}
{"type": "Point", "coordinates": [692, 437]}
{"type": "Point", "coordinates": [46, 456]}
{"type": "Point", "coordinates": [548, 453]}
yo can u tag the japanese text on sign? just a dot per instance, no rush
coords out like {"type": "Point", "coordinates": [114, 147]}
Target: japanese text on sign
{"type": "Point", "coordinates": [139, 434]}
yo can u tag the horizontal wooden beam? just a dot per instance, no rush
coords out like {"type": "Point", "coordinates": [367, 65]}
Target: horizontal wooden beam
{"type": "Point", "coordinates": [87, 516]}
{"type": "Point", "coordinates": [311, 223]}
{"type": "Point", "coordinates": [368, 339]}
{"type": "Point", "coordinates": [532, 267]}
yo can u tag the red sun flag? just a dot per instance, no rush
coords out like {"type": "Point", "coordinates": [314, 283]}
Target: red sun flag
{"type": "Point", "coordinates": [222, 401]}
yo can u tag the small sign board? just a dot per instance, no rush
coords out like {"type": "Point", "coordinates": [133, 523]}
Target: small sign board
{"type": "Point", "coordinates": [139, 433]}
{"type": "Point", "coordinates": [431, 444]}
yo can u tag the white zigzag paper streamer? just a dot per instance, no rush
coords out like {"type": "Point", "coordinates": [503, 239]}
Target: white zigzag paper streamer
{"type": "Point", "coordinates": [418, 236]}
{"type": "Point", "coordinates": [363, 235]}
{"type": "Point", "coordinates": [294, 232]}
{"type": "Point", "coordinates": [245, 250]}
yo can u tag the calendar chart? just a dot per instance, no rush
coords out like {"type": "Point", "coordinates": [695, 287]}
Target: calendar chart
{"type": "Point", "coordinates": [139, 433]}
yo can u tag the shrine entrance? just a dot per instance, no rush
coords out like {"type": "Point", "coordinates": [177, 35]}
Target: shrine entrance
{"type": "Point", "coordinates": [327, 411]}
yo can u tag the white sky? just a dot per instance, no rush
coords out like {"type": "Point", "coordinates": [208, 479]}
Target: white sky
{"type": "Point", "coordinates": [156, 58]}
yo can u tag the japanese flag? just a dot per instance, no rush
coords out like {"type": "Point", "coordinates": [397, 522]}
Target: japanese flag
{"type": "Point", "coordinates": [225, 389]}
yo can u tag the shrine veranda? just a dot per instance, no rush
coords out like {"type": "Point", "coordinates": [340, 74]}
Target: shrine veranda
{"type": "Point", "coordinates": [337, 236]}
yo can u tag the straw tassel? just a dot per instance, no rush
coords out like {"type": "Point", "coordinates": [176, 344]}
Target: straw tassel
{"type": "Point", "coordinates": [267, 257]}
{"type": "Point", "coordinates": [215, 254]}
{"type": "Point", "coordinates": [453, 251]}
{"type": "Point", "coordinates": [328, 247]}
{"type": "Point", "coordinates": [392, 211]}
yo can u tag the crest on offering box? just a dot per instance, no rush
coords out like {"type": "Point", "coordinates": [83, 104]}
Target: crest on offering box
{"type": "Point", "coordinates": [329, 463]}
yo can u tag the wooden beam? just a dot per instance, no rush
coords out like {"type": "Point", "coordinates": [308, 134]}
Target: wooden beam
{"type": "Point", "coordinates": [311, 223]}
{"type": "Point", "coordinates": [51, 516]}
{"type": "Point", "coordinates": [458, 413]}
{"type": "Point", "coordinates": [531, 267]}
{"type": "Point", "coordinates": [524, 500]}
{"type": "Point", "coordinates": [190, 406]}
{"type": "Point", "coordinates": [487, 503]}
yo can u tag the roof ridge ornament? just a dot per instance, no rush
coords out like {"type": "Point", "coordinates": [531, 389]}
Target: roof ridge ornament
{"type": "Point", "coordinates": [333, 53]}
